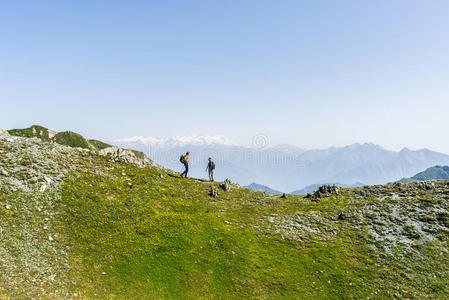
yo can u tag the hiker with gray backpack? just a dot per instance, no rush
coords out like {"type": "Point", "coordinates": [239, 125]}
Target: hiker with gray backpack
{"type": "Point", "coordinates": [210, 168]}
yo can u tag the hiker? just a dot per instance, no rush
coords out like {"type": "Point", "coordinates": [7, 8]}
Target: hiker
{"type": "Point", "coordinates": [184, 159]}
{"type": "Point", "coordinates": [210, 168]}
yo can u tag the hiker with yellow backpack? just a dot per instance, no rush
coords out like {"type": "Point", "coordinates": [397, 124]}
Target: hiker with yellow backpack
{"type": "Point", "coordinates": [184, 159]}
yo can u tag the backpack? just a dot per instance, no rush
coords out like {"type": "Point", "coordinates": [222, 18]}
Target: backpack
{"type": "Point", "coordinates": [182, 159]}
{"type": "Point", "coordinates": [212, 165]}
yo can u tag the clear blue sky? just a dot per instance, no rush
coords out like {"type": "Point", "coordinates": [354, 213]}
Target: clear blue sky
{"type": "Point", "coordinates": [309, 73]}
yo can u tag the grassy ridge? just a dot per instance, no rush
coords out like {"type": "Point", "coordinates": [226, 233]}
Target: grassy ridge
{"type": "Point", "coordinates": [33, 131]}
{"type": "Point", "coordinates": [76, 224]}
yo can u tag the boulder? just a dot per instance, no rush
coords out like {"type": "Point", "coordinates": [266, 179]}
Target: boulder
{"type": "Point", "coordinates": [213, 192]}
{"type": "Point", "coordinates": [426, 185]}
{"type": "Point", "coordinates": [226, 185]}
{"type": "Point", "coordinates": [3, 172]}
{"type": "Point", "coordinates": [3, 132]}
{"type": "Point", "coordinates": [127, 156]}
{"type": "Point", "coordinates": [324, 191]}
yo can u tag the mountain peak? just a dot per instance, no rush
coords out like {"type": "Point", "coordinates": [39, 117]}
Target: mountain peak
{"type": "Point", "coordinates": [195, 140]}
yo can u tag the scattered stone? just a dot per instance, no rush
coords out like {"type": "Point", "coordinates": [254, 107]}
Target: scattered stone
{"type": "Point", "coordinates": [368, 191]}
{"type": "Point", "coordinates": [426, 185]}
{"type": "Point", "coordinates": [4, 172]}
{"type": "Point", "coordinates": [48, 179]}
{"type": "Point", "coordinates": [342, 217]}
{"type": "Point", "coordinates": [161, 176]}
{"type": "Point", "coordinates": [213, 192]}
{"type": "Point", "coordinates": [226, 185]}
{"type": "Point", "coordinates": [43, 188]}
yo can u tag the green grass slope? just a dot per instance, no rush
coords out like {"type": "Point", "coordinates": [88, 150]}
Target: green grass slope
{"type": "Point", "coordinates": [99, 145]}
{"type": "Point", "coordinates": [72, 139]}
{"type": "Point", "coordinates": [165, 238]}
{"type": "Point", "coordinates": [109, 230]}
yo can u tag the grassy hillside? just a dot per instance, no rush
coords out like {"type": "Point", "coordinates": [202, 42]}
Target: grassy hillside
{"type": "Point", "coordinates": [433, 173]}
{"type": "Point", "coordinates": [108, 230]}
{"type": "Point", "coordinates": [67, 138]}
{"type": "Point", "coordinates": [71, 139]}
{"type": "Point", "coordinates": [99, 145]}
{"type": "Point", "coordinates": [33, 131]}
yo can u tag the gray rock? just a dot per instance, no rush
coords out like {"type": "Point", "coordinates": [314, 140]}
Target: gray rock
{"type": "Point", "coordinates": [426, 185]}
{"type": "Point", "coordinates": [324, 191]}
{"type": "Point", "coordinates": [4, 172]}
{"type": "Point", "coordinates": [3, 132]}
{"type": "Point", "coordinates": [127, 156]}
{"type": "Point", "coordinates": [226, 185]}
{"type": "Point", "coordinates": [213, 192]}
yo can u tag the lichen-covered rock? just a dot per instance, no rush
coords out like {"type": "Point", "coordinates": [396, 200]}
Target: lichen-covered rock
{"type": "Point", "coordinates": [213, 192]}
{"type": "Point", "coordinates": [3, 132]}
{"type": "Point", "coordinates": [127, 156]}
{"type": "Point", "coordinates": [426, 185]}
{"type": "Point", "coordinates": [324, 191]}
{"type": "Point", "coordinates": [226, 185]}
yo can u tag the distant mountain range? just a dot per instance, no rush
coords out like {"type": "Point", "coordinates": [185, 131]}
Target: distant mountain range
{"type": "Point", "coordinates": [313, 187]}
{"type": "Point", "coordinates": [308, 189]}
{"type": "Point", "coordinates": [433, 173]}
{"type": "Point", "coordinates": [263, 188]}
{"type": "Point", "coordinates": [285, 167]}
{"type": "Point", "coordinates": [273, 169]}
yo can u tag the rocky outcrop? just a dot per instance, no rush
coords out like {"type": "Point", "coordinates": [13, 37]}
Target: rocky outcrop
{"type": "Point", "coordinates": [127, 156]}
{"type": "Point", "coordinates": [226, 185]}
{"type": "Point", "coordinates": [324, 191]}
{"type": "Point", "coordinates": [3, 132]}
{"type": "Point", "coordinates": [394, 219]}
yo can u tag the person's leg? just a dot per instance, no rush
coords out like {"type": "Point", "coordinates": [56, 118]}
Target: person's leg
{"type": "Point", "coordinates": [184, 174]}
{"type": "Point", "coordinates": [187, 169]}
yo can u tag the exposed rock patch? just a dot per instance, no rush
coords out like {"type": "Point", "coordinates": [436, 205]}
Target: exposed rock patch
{"type": "Point", "coordinates": [127, 156]}
{"type": "Point", "coordinates": [324, 191]}
{"type": "Point", "coordinates": [3, 132]}
{"type": "Point", "coordinates": [226, 185]}
{"type": "Point", "coordinates": [394, 219]}
{"type": "Point", "coordinates": [213, 192]}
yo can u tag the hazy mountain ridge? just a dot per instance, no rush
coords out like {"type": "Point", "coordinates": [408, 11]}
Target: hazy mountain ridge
{"type": "Point", "coordinates": [263, 188]}
{"type": "Point", "coordinates": [313, 187]}
{"type": "Point", "coordinates": [288, 168]}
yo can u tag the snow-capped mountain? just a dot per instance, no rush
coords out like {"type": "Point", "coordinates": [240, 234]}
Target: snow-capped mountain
{"type": "Point", "coordinates": [196, 140]}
